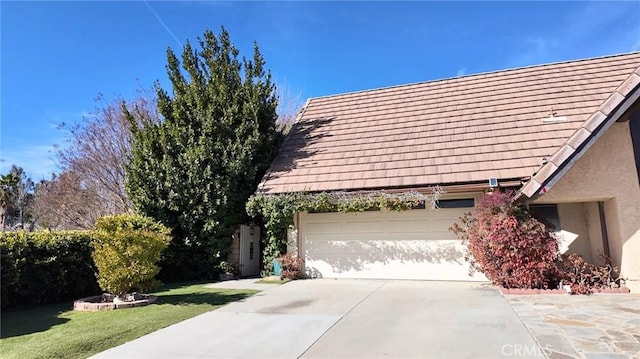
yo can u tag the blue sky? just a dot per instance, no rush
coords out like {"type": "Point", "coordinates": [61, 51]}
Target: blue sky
{"type": "Point", "coordinates": [57, 56]}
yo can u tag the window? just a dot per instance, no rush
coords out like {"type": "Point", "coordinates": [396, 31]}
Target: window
{"type": "Point", "coordinates": [419, 205]}
{"type": "Point", "coordinates": [456, 203]}
{"type": "Point", "coordinates": [547, 214]}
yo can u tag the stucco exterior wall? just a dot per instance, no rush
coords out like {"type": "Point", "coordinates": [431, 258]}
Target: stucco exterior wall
{"type": "Point", "coordinates": [580, 230]}
{"type": "Point", "coordinates": [607, 173]}
{"type": "Point", "coordinates": [574, 234]}
{"type": "Point", "coordinates": [592, 219]}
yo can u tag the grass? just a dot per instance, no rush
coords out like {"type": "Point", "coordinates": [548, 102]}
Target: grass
{"type": "Point", "coordinates": [57, 331]}
{"type": "Point", "coordinates": [273, 281]}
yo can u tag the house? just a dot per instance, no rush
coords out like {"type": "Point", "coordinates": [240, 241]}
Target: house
{"type": "Point", "coordinates": [565, 135]}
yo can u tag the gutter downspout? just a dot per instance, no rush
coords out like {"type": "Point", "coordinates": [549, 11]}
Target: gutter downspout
{"type": "Point", "coordinates": [603, 229]}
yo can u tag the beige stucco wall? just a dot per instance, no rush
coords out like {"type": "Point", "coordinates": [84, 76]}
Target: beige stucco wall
{"type": "Point", "coordinates": [607, 173]}
{"type": "Point", "coordinates": [574, 236]}
{"type": "Point", "coordinates": [592, 220]}
{"type": "Point", "coordinates": [580, 230]}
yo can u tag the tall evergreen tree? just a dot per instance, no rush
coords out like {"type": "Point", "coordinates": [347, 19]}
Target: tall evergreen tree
{"type": "Point", "coordinates": [16, 194]}
{"type": "Point", "coordinates": [195, 168]}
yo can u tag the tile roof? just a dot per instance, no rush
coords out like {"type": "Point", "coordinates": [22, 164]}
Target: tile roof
{"type": "Point", "coordinates": [452, 131]}
{"type": "Point", "coordinates": [585, 136]}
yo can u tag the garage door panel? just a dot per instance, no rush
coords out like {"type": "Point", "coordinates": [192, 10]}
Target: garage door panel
{"type": "Point", "coordinates": [414, 244]}
{"type": "Point", "coordinates": [406, 225]}
{"type": "Point", "coordinates": [313, 247]}
{"type": "Point", "coordinates": [441, 234]}
{"type": "Point", "coordinates": [442, 261]}
{"type": "Point", "coordinates": [385, 250]}
{"type": "Point", "coordinates": [324, 227]}
{"type": "Point", "coordinates": [317, 240]}
{"type": "Point", "coordinates": [363, 226]}
{"type": "Point", "coordinates": [342, 217]}
{"type": "Point", "coordinates": [390, 236]}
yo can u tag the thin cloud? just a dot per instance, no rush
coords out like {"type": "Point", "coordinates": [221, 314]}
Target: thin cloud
{"type": "Point", "coordinates": [598, 16]}
{"type": "Point", "coordinates": [584, 29]}
{"type": "Point", "coordinates": [542, 45]}
{"type": "Point", "coordinates": [66, 116]}
{"type": "Point", "coordinates": [37, 161]}
{"type": "Point", "coordinates": [538, 50]}
{"type": "Point", "coordinates": [162, 23]}
{"type": "Point", "coordinates": [461, 72]}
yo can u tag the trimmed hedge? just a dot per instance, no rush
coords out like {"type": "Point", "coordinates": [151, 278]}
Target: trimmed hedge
{"type": "Point", "coordinates": [45, 267]}
{"type": "Point", "coordinates": [126, 250]}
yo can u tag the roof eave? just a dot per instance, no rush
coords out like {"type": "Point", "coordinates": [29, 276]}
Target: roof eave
{"type": "Point", "coordinates": [446, 187]}
{"type": "Point", "coordinates": [613, 109]}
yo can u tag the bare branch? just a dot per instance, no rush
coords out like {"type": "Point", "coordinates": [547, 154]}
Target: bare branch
{"type": "Point", "coordinates": [94, 160]}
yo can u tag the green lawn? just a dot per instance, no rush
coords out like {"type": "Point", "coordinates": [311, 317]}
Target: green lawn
{"type": "Point", "coordinates": [57, 331]}
{"type": "Point", "coordinates": [273, 281]}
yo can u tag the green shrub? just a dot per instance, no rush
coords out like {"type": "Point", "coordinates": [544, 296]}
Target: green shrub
{"type": "Point", "coordinates": [45, 267]}
{"type": "Point", "coordinates": [126, 250]}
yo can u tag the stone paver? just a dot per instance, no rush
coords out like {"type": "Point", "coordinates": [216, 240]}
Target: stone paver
{"type": "Point", "coordinates": [598, 326]}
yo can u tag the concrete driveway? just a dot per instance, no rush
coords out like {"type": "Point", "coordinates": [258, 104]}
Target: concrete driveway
{"type": "Point", "coordinates": [326, 318]}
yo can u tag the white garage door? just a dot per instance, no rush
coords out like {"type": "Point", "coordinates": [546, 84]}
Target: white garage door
{"type": "Point", "coordinates": [415, 244]}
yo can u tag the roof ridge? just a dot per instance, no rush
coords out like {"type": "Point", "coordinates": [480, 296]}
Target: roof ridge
{"type": "Point", "coordinates": [473, 75]}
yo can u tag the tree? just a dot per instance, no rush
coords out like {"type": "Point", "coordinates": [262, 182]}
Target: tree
{"type": "Point", "coordinates": [289, 105]}
{"type": "Point", "coordinates": [8, 184]}
{"type": "Point", "coordinates": [99, 147]}
{"type": "Point", "coordinates": [92, 183]}
{"type": "Point", "coordinates": [16, 197]}
{"type": "Point", "coordinates": [65, 202]}
{"type": "Point", "coordinates": [24, 195]}
{"type": "Point", "coordinates": [194, 170]}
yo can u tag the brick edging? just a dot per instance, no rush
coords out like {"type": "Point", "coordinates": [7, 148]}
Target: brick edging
{"type": "Point", "coordinates": [94, 304]}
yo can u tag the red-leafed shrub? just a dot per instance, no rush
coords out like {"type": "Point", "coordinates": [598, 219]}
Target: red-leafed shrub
{"type": "Point", "coordinates": [506, 243]}
{"type": "Point", "coordinates": [583, 277]}
{"type": "Point", "coordinates": [292, 266]}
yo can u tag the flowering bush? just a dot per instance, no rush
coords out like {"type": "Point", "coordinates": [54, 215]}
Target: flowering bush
{"type": "Point", "coordinates": [292, 266]}
{"type": "Point", "coordinates": [506, 243]}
